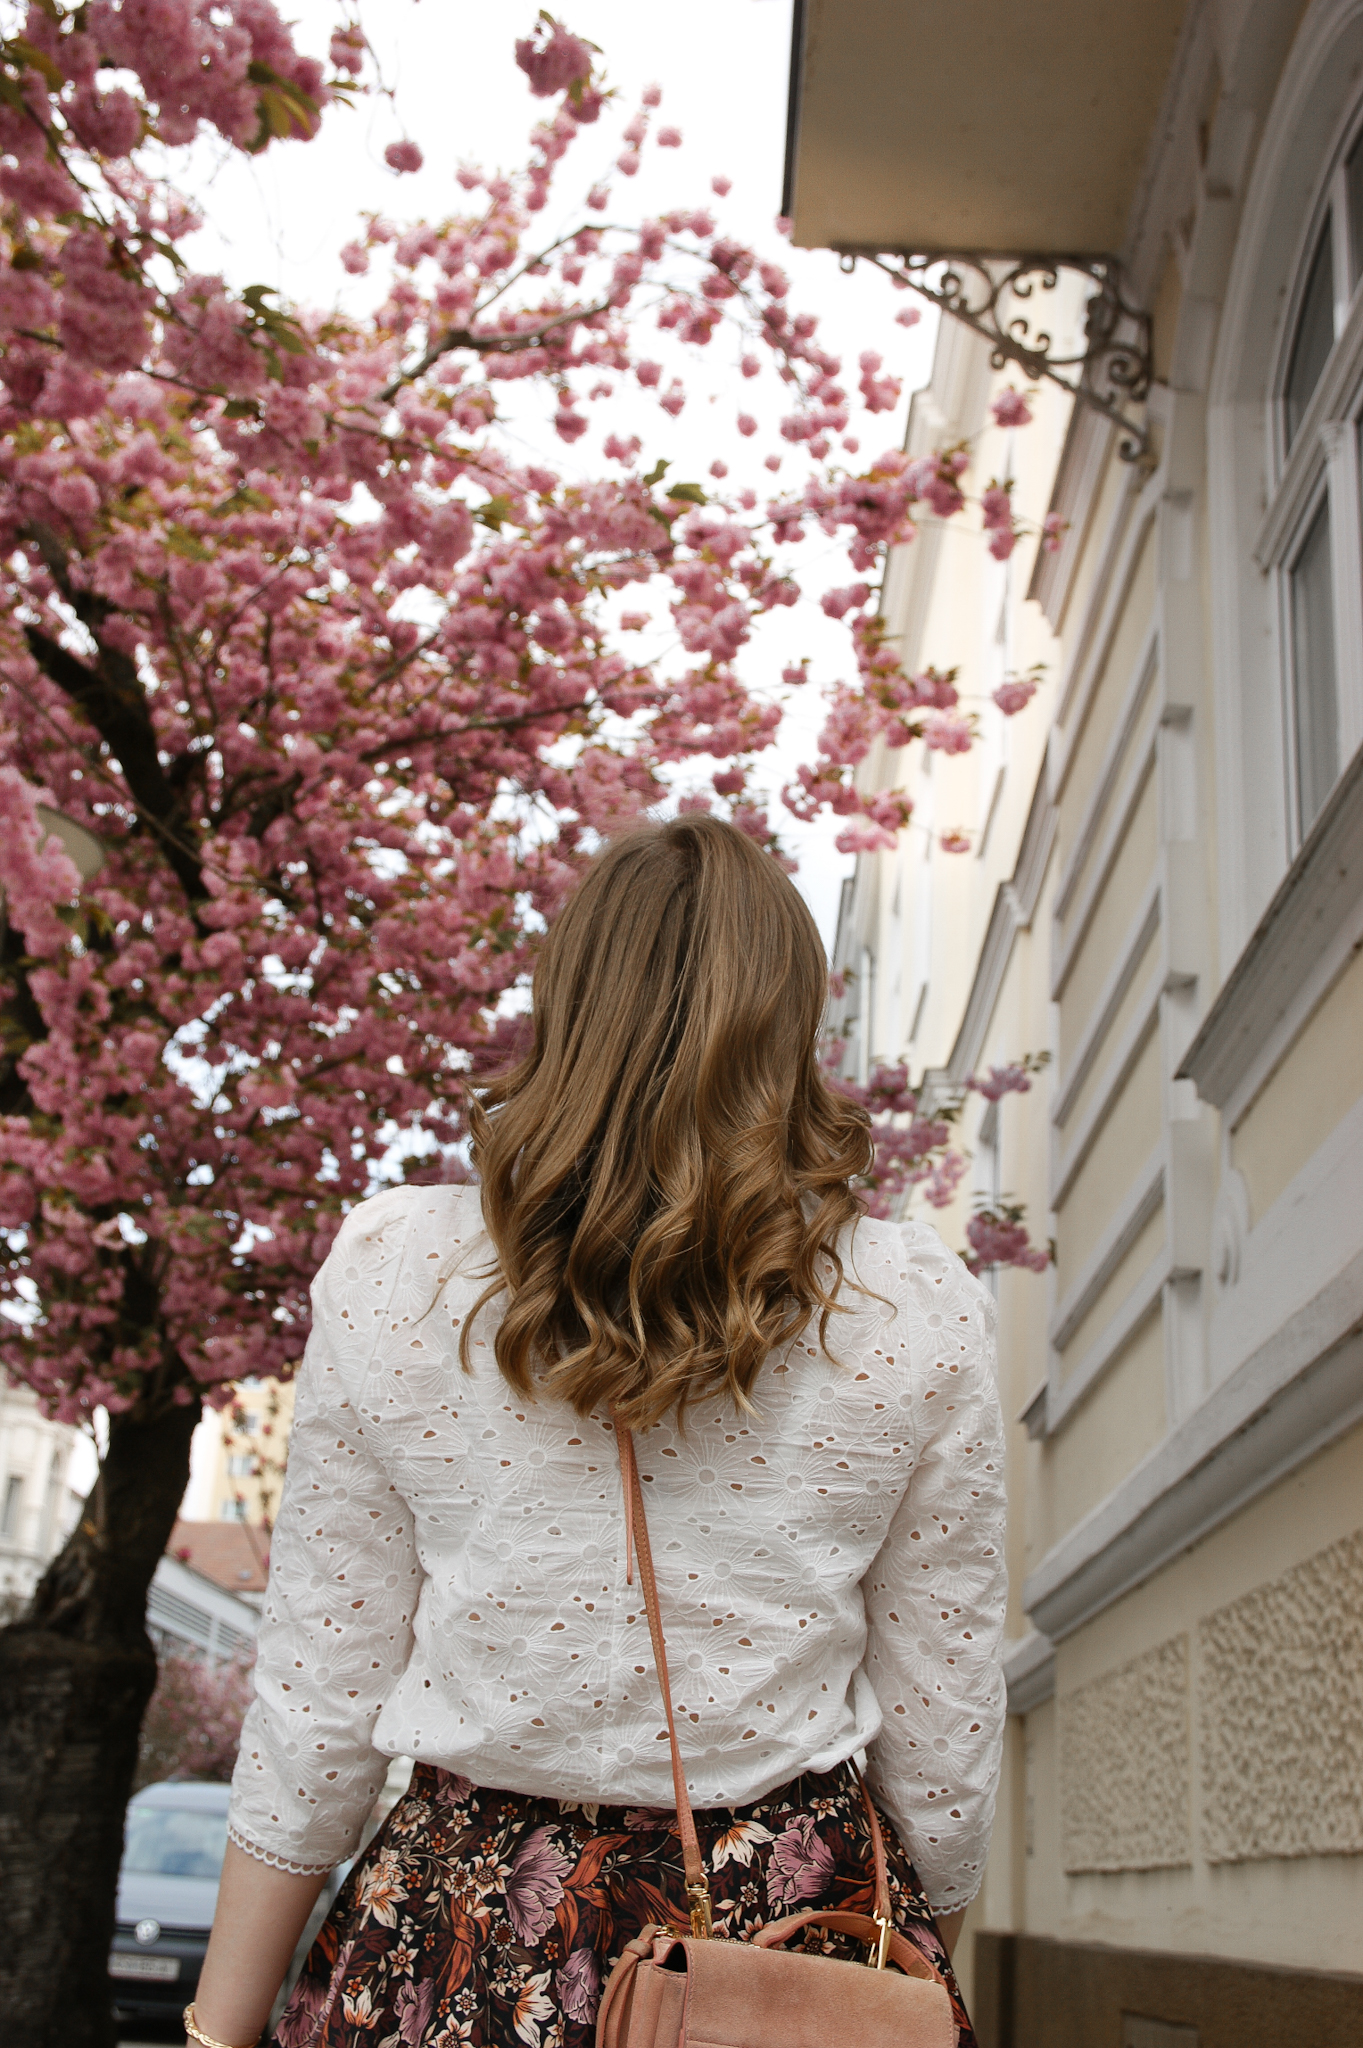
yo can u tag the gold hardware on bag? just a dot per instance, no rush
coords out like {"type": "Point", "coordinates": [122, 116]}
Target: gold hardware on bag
{"type": "Point", "coordinates": [880, 1947]}
{"type": "Point", "coordinates": [699, 1895]}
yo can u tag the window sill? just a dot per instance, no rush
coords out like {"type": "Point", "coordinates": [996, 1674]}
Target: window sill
{"type": "Point", "coordinates": [1318, 898]}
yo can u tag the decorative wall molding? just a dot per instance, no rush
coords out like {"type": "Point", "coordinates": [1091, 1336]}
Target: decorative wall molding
{"type": "Point", "coordinates": [1014, 907]}
{"type": "Point", "coordinates": [1142, 1198]}
{"type": "Point", "coordinates": [1126, 1766]}
{"type": "Point", "coordinates": [1124, 729]}
{"type": "Point", "coordinates": [1108, 1001]}
{"type": "Point", "coordinates": [1078, 479]}
{"type": "Point", "coordinates": [1124, 807]}
{"type": "Point", "coordinates": [1281, 1714]}
{"type": "Point", "coordinates": [1125, 1054]}
{"type": "Point", "coordinates": [1318, 900]}
{"type": "Point", "coordinates": [1107, 597]}
{"type": "Point", "coordinates": [1302, 1389]}
{"type": "Point", "coordinates": [1029, 1672]}
{"type": "Point", "coordinates": [1107, 1347]}
{"type": "Point", "coordinates": [1300, 1252]}
{"type": "Point", "coordinates": [1230, 1228]}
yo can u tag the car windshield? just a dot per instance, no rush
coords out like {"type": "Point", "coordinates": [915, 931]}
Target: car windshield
{"type": "Point", "coordinates": [175, 1841]}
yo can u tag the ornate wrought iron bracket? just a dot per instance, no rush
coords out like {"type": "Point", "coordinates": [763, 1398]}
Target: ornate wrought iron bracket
{"type": "Point", "coordinates": [1114, 368]}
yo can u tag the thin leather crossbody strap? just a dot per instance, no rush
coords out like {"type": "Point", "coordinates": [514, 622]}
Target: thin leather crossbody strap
{"type": "Point", "coordinates": [636, 1540]}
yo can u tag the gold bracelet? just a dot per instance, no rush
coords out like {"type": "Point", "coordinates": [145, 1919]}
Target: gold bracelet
{"type": "Point", "coordinates": [196, 2032]}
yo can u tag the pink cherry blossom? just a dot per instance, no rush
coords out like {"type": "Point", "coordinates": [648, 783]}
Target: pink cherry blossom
{"type": "Point", "coordinates": [1010, 409]}
{"type": "Point", "coordinates": [1000, 1239]}
{"type": "Point", "coordinates": [552, 58]}
{"type": "Point", "coordinates": [947, 732]}
{"type": "Point", "coordinates": [403, 156]}
{"type": "Point", "coordinates": [342, 769]}
{"type": "Point", "coordinates": [1015, 695]}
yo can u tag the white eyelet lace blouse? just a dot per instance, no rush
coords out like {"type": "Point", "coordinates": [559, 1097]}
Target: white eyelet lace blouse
{"type": "Point", "coordinates": [447, 1576]}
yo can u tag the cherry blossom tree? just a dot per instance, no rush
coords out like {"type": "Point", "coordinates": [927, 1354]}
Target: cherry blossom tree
{"type": "Point", "coordinates": [345, 686]}
{"type": "Point", "coordinates": [192, 1726]}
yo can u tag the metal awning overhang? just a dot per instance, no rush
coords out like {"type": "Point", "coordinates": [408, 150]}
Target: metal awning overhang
{"type": "Point", "coordinates": [931, 126]}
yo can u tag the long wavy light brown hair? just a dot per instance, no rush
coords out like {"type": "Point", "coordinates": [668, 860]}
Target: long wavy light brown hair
{"type": "Point", "coordinates": [667, 1171]}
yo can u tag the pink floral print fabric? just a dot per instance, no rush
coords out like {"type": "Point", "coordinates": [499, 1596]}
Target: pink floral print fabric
{"type": "Point", "coordinates": [493, 1919]}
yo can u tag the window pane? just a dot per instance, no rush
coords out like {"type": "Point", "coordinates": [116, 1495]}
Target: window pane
{"type": "Point", "coordinates": [1353, 178]}
{"type": "Point", "coordinates": [1315, 334]}
{"type": "Point", "coordinates": [173, 1841]}
{"type": "Point", "coordinates": [1313, 670]}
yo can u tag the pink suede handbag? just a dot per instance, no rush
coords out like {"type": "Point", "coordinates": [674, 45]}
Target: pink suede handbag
{"type": "Point", "coordinates": [671, 1991]}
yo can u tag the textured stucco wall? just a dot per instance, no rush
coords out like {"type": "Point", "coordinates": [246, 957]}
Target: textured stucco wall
{"type": "Point", "coordinates": [1280, 1684]}
{"type": "Point", "coordinates": [1125, 1766]}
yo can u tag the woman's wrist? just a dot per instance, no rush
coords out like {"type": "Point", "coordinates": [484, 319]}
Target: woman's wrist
{"type": "Point", "coordinates": [190, 2021]}
{"type": "Point", "coordinates": [261, 1913]}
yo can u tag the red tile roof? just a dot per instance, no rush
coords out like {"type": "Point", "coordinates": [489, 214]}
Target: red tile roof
{"type": "Point", "coordinates": [232, 1554]}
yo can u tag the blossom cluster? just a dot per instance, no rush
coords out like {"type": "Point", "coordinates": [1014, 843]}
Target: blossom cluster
{"type": "Point", "coordinates": [192, 1726]}
{"type": "Point", "coordinates": [333, 672]}
{"type": "Point", "coordinates": [915, 1152]}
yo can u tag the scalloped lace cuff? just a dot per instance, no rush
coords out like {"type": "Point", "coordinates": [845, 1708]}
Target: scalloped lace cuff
{"type": "Point", "coordinates": [234, 1834]}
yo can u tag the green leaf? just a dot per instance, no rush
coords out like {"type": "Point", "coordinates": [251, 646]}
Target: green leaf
{"type": "Point", "coordinates": [494, 513]}
{"type": "Point", "coordinates": [692, 493]}
{"type": "Point", "coordinates": [181, 543]}
{"type": "Point", "coordinates": [284, 108]}
{"type": "Point", "coordinates": [241, 409]}
{"type": "Point", "coordinates": [21, 51]}
{"type": "Point", "coordinates": [656, 474]}
{"type": "Point", "coordinates": [243, 500]}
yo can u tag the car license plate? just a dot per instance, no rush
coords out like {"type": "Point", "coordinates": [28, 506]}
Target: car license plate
{"type": "Point", "coordinates": [163, 1968]}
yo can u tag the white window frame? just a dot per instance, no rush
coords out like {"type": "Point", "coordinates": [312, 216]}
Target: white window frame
{"type": "Point", "coordinates": [1323, 461]}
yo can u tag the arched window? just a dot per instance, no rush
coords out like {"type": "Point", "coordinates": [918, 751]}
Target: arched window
{"type": "Point", "coordinates": [1311, 528]}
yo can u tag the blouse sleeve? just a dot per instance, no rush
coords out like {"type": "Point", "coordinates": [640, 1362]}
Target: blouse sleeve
{"type": "Point", "coordinates": [936, 1592]}
{"type": "Point", "coordinates": [336, 1628]}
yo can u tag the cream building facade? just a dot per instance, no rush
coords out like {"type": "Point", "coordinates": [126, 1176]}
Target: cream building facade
{"type": "Point", "coordinates": [240, 1467]}
{"type": "Point", "coordinates": [41, 1491]}
{"type": "Point", "coordinates": [1164, 890]}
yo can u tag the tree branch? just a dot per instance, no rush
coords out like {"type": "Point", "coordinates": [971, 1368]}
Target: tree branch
{"type": "Point", "coordinates": [484, 345]}
{"type": "Point", "coordinates": [113, 700]}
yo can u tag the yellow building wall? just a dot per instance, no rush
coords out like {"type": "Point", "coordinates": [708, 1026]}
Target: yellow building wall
{"type": "Point", "coordinates": [248, 1465]}
{"type": "Point", "coordinates": [1110, 922]}
{"type": "Point", "coordinates": [1290, 1560]}
{"type": "Point", "coordinates": [1307, 1093]}
{"type": "Point", "coordinates": [1106, 1437]}
{"type": "Point", "coordinates": [1136, 1262]}
{"type": "Point", "coordinates": [1104, 1180]}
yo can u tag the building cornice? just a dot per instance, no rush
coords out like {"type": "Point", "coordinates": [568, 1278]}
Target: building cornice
{"type": "Point", "coordinates": [1029, 1672]}
{"type": "Point", "coordinates": [1301, 1389]}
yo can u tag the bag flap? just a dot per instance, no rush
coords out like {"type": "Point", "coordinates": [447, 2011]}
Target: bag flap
{"type": "Point", "coordinates": [739, 1996]}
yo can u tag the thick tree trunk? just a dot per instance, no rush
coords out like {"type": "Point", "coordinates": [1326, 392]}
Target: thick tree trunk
{"type": "Point", "coordinates": [76, 1673]}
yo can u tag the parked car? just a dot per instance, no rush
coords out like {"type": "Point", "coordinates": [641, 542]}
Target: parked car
{"type": "Point", "coordinates": [173, 1848]}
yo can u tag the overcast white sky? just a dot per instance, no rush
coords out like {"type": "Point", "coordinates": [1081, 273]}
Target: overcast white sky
{"type": "Point", "coordinates": [722, 64]}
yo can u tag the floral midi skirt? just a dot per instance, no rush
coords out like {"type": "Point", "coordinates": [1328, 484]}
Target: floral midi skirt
{"type": "Point", "coordinates": [494, 1919]}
